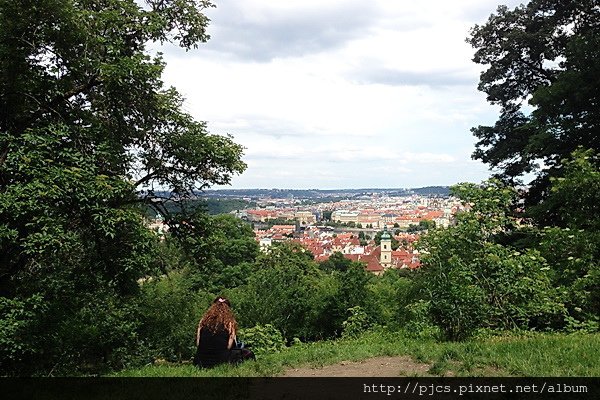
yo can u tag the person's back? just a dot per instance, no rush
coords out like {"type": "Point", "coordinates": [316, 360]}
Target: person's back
{"type": "Point", "coordinates": [212, 349]}
{"type": "Point", "coordinates": [215, 337]}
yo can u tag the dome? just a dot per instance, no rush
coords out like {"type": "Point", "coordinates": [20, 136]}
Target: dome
{"type": "Point", "coordinates": [385, 235]}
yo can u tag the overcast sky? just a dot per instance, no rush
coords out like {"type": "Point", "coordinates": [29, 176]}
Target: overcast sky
{"type": "Point", "coordinates": [341, 93]}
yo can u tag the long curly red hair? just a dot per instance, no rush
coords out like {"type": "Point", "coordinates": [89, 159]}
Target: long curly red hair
{"type": "Point", "coordinates": [219, 317]}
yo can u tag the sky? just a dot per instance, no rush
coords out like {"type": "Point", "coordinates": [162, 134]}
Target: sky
{"type": "Point", "coordinates": [341, 93]}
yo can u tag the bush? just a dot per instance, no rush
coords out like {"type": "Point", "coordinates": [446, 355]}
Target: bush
{"type": "Point", "coordinates": [169, 314]}
{"type": "Point", "coordinates": [472, 281]}
{"type": "Point", "coordinates": [418, 323]}
{"type": "Point", "coordinates": [101, 335]}
{"type": "Point", "coordinates": [262, 339]}
{"type": "Point", "coordinates": [17, 320]}
{"type": "Point", "coordinates": [288, 291]}
{"type": "Point", "coordinates": [387, 296]}
{"type": "Point", "coordinates": [357, 322]}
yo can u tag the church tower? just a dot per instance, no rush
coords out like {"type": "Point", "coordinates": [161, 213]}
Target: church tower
{"type": "Point", "coordinates": [386, 249]}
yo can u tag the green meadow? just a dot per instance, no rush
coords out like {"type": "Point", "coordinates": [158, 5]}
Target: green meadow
{"type": "Point", "coordinates": [528, 354]}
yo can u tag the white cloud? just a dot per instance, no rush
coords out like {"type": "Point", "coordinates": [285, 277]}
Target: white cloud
{"type": "Point", "coordinates": [334, 94]}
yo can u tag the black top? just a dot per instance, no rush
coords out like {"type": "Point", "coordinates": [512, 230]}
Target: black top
{"type": "Point", "coordinates": [212, 349]}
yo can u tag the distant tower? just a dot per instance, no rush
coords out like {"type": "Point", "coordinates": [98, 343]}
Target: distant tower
{"type": "Point", "coordinates": [386, 249]}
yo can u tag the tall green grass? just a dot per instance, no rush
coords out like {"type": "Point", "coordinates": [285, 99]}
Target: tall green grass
{"type": "Point", "coordinates": [539, 354]}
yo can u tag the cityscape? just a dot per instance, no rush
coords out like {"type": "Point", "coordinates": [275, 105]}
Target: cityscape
{"type": "Point", "coordinates": [377, 227]}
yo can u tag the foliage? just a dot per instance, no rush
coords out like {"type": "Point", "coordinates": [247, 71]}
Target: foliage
{"type": "Point", "coordinates": [471, 281]}
{"type": "Point", "coordinates": [87, 133]}
{"type": "Point", "coordinates": [419, 324]}
{"type": "Point", "coordinates": [220, 249]}
{"type": "Point", "coordinates": [301, 298]}
{"type": "Point", "coordinates": [63, 218]}
{"type": "Point", "coordinates": [287, 290]}
{"type": "Point", "coordinates": [350, 283]}
{"type": "Point", "coordinates": [17, 318]}
{"type": "Point", "coordinates": [377, 239]}
{"type": "Point", "coordinates": [356, 323]}
{"type": "Point", "coordinates": [573, 255]}
{"type": "Point", "coordinates": [573, 247]}
{"type": "Point", "coordinates": [383, 295]}
{"type": "Point", "coordinates": [336, 262]}
{"type": "Point", "coordinates": [573, 200]}
{"type": "Point", "coordinates": [422, 226]}
{"type": "Point", "coordinates": [68, 235]}
{"type": "Point", "coordinates": [100, 335]}
{"type": "Point", "coordinates": [262, 339]}
{"type": "Point", "coordinates": [169, 312]}
{"type": "Point", "coordinates": [545, 53]}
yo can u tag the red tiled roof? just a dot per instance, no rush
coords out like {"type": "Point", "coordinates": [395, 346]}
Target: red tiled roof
{"type": "Point", "coordinates": [352, 257]}
{"type": "Point", "coordinates": [373, 263]}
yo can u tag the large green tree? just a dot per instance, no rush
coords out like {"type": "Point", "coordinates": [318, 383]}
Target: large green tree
{"type": "Point", "coordinates": [350, 290]}
{"type": "Point", "coordinates": [287, 290]}
{"type": "Point", "coordinates": [89, 132]}
{"type": "Point", "coordinates": [543, 70]}
{"type": "Point", "coordinates": [221, 249]}
{"type": "Point", "coordinates": [471, 281]}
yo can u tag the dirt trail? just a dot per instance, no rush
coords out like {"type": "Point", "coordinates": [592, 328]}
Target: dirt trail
{"type": "Point", "coordinates": [372, 367]}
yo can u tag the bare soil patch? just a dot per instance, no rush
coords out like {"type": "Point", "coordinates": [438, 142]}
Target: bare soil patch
{"type": "Point", "coordinates": [372, 367]}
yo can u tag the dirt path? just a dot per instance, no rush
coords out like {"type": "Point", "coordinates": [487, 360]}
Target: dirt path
{"type": "Point", "coordinates": [372, 367]}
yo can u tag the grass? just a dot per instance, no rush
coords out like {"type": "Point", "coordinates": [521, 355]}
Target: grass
{"type": "Point", "coordinates": [530, 354]}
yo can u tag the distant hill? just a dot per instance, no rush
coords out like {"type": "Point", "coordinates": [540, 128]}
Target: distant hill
{"type": "Point", "coordinates": [212, 206]}
{"type": "Point", "coordinates": [222, 201]}
{"type": "Point", "coordinates": [322, 194]}
{"type": "Point", "coordinates": [443, 191]}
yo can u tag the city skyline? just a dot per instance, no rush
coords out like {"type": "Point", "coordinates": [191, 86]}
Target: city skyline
{"type": "Point", "coordinates": [340, 95]}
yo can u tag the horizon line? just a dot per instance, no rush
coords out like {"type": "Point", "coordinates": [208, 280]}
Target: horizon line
{"type": "Point", "coordinates": [329, 189]}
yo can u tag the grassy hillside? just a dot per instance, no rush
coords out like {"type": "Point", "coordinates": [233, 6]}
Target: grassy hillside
{"type": "Point", "coordinates": [512, 355]}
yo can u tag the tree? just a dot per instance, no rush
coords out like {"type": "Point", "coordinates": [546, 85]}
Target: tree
{"type": "Point", "coordinates": [335, 262]}
{"type": "Point", "coordinates": [221, 249]}
{"type": "Point", "coordinates": [352, 280]}
{"type": "Point", "coordinates": [573, 246]}
{"type": "Point", "coordinates": [287, 290]}
{"type": "Point", "coordinates": [573, 200]}
{"type": "Point", "coordinates": [471, 281]}
{"type": "Point", "coordinates": [546, 54]}
{"type": "Point", "coordinates": [422, 226]}
{"type": "Point", "coordinates": [89, 133]}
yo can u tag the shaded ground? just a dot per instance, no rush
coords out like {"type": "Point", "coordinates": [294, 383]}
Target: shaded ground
{"type": "Point", "coordinates": [372, 367]}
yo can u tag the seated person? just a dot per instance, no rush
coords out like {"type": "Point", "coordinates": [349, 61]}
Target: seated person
{"type": "Point", "coordinates": [216, 337]}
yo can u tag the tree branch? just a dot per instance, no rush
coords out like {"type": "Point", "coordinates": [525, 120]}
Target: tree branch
{"type": "Point", "coordinates": [3, 156]}
{"type": "Point", "coordinates": [92, 82]}
{"type": "Point", "coordinates": [146, 178]}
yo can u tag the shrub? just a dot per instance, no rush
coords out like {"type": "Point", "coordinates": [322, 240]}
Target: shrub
{"type": "Point", "coordinates": [288, 291]}
{"type": "Point", "coordinates": [472, 281]}
{"type": "Point", "coordinates": [262, 339]}
{"type": "Point", "coordinates": [17, 319]}
{"type": "Point", "coordinates": [418, 323]}
{"type": "Point", "coordinates": [169, 314]}
{"type": "Point", "coordinates": [357, 322]}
